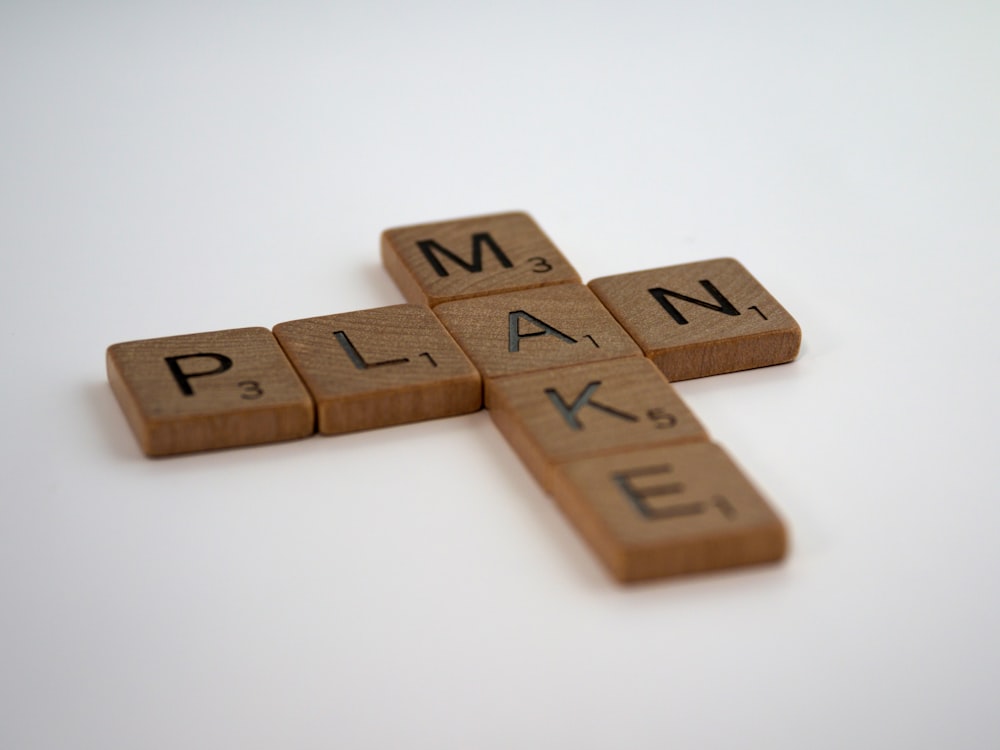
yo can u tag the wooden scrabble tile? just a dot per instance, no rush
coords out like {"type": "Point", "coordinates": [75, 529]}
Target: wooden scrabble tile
{"type": "Point", "coordinates": [209, 390]}
{"type": "Point", "coordinates": [665, 511]}
{"type": "Point", "coordinates": [380, 367]}
{"type": "Point", "coordinates": [701, 318]}
{"type": "Point", "coordinates": [536, 329]}
{"type": "Point", "coordinates": [556, 416]}
{"type": "Point", "coordinates": [449, 260]}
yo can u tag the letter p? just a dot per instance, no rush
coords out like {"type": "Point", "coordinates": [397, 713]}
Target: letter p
{"type": "Point", "coordinates": [183, 378]}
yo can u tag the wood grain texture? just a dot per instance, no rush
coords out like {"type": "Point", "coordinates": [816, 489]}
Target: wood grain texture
{"type": "Point", "coordinates": [661, 512]}
{"type": "Point", "coordinates": [203, 391]}
{"type": "Point", "coordinates": [699, 319]}
{"type": "Point", "coordinates": [461, 258]}
{"type": "Point", "coordinates": [380, 367]}
{"type": "Point", "coordinates": [575, 412]}
{"type": "Point", "coordinates": [537, 329]}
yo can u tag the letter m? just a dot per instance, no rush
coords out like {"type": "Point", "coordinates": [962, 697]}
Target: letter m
{"type": "Point", "coordinates": [431, 249]}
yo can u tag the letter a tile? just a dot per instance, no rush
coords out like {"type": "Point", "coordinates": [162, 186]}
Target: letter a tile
{"type": "Point", "coordinates": [209, 390]}
{"type": "Point", "coordinates": [666, 511]}
{"type": "Point", "coordinates": [700, 319]}
{"type": "Point", "coordinates": [380, 367]}
{"type": "Point", "coordinates": [536, 329]}
{"type": "Point", "coordinates": [575, 412]}
{"type": "Point", "coordinates": [450, 260]}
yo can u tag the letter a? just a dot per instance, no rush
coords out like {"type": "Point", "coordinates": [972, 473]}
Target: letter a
{"type": "Point", "coordinates": [514, 335]}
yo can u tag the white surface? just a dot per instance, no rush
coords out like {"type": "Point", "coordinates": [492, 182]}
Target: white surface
{"type": "Point", "coordinates": [173, 168]}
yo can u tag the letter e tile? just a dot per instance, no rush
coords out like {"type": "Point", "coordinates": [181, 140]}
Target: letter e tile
{"type": "Point", "coordinates": [449, 260]}
{"type": "Point", "coordinates": [666, 511]}
{"type": "Point", "coordinates": [380, 367]}
{"type": "Point", "coordinates": [703, 318]}
{"type": "Point", "coordinates": [209, 390]}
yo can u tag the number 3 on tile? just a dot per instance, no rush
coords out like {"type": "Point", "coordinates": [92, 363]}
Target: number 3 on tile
{"type": "Point", "coordinates": [541, 265]}
{"type": "Point", "coordinates": [251, 389]}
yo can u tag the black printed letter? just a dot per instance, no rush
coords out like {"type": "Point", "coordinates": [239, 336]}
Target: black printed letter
{"type": "Point", "coordinates": [724, 306]}
{"type": "Point", "coordinates": [569, 411]}
{"type": "Point", "coordinates": [429, 247]}
{"type": "Point", "coordinates": [638, 495]}
{"type": "Point", "coordinates": [355, 356]}
{"type": "Point", "coordinates": [182, 377]}
{"type": "Point", "coordinates": [514, 334]}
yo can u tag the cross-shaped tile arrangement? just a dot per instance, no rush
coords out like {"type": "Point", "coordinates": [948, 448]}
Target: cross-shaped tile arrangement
{"type": "Point", "coordinates": [576, 377]}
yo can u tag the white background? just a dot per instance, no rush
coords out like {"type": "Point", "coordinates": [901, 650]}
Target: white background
{"type": "Point", "coordinates": [169, 168]}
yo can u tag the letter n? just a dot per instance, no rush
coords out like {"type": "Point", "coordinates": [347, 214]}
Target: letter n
{"type": "Point", "coordinates": [724, 306]}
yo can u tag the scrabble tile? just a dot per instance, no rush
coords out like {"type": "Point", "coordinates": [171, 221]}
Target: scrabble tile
{"type": "Point", "coordinates": [209, 390]}
{"type": "Point", "coordinates": [536, 329]}
{"type": "Point", "coordinates": [556, 416]}
{"type": "Point", "coordinates": [666, 511]}
{"type": "Point", "coordinates": [380, 367]}
{"type": "Point", "coordinates": [702, 318]}
{"type": "Point", "coordinates": [450, 260]}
